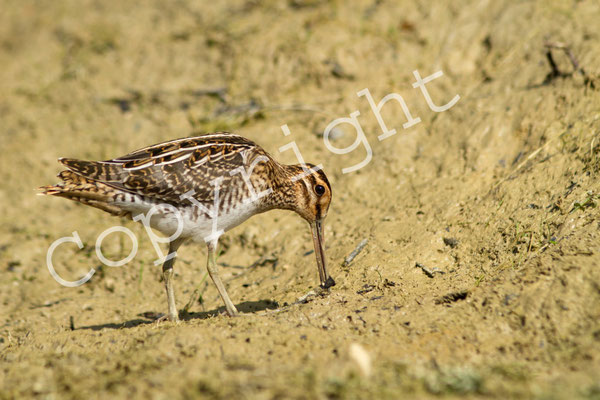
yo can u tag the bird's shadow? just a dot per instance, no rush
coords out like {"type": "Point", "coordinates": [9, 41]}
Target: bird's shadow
{"type": "Point", "coordinates": [151, 317]}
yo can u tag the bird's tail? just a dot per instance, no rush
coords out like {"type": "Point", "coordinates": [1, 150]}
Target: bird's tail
{"type": "Point", "coordinates": [86, 191]}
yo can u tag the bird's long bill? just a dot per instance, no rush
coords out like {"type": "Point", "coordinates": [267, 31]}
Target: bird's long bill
{"type": "Point", "coordinates": [317, 234]}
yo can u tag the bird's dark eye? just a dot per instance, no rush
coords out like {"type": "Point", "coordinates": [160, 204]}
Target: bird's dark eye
{"type": "Point", "coordinates": [319, 190]}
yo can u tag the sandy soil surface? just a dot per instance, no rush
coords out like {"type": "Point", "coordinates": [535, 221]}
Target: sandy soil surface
{"type": "Point", "coordinates": [481, 274]}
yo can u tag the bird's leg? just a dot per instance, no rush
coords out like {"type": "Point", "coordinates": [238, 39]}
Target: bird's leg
{"type": "Point", "coordinates": [214, 275]}
{"type": "Point", "coordinates": [168, 278]}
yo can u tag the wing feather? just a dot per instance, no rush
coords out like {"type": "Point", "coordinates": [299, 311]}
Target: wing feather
{"type": "Point", "coordinates": [166, 171]}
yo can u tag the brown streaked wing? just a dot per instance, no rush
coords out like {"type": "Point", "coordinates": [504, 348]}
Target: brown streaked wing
{"type": "Point", "coordinates": [168, 170]}
{"type": "Point", "coordinates": [183, 144]}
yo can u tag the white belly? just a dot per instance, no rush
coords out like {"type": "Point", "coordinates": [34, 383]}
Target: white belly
{"type": "Point", "coordinates": [190, 221]}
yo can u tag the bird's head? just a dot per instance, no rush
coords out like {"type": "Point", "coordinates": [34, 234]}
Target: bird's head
{"type": "Point", "coordinates": [312, 199]}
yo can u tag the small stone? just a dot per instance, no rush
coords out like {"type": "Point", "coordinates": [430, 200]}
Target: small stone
{"type": "Point", "coordinates": [452, 242]}
{"type": "Point", "coordinates": [361, 357]}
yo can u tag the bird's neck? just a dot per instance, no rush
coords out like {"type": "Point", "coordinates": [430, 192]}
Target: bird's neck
{"type": "Point", "coordinates": [287, 189]}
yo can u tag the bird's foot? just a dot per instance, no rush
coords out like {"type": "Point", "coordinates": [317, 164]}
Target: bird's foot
{"type": "Point", "coordinates": [167, 317]}
{"type": "Point", "coordinates": [232, 312]}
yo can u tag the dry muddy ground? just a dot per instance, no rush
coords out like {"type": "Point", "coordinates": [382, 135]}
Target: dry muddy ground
{"type": "Point", "coordinates": [481, 272]}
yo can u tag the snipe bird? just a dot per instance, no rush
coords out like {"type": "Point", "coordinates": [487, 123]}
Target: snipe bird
{"type": "Point", "coordinates": [182, 182]}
